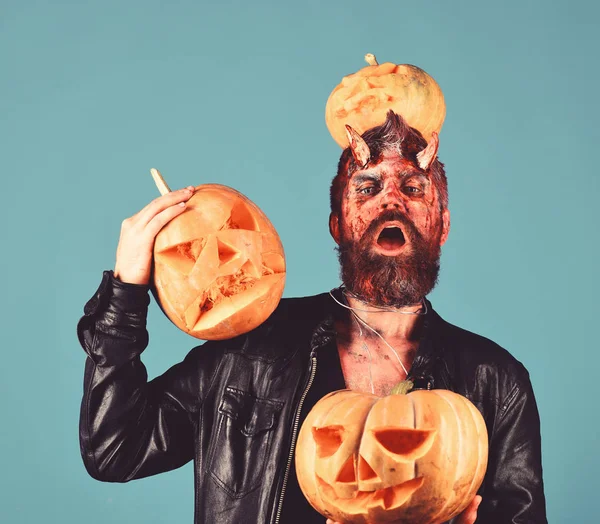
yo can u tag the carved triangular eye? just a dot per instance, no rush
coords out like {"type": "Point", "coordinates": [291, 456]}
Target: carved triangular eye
{"type": "Point", "coordinates": [408, 443]}
{"type": "Point", "coordinates": [347, 473]}
{"type": "Point", "coordinates": [242, 218]}
{"type": "Point", "coordinates": [182, 257]}
{"type": "Point", "coordinates": [365, 471]}
{"type": "Point", "coordinates": [328, 439]}
{"type": "Point", "coordinates": [226, 252]}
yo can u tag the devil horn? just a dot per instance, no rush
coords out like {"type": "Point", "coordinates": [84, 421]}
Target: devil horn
{"type": "Point", "coordinates": [427, 156]}
{"type": "Point", "coordinates": [360, 149]}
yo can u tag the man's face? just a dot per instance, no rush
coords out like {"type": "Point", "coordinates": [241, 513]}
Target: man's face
{"type": "Point", "coordinates": [390, 232]}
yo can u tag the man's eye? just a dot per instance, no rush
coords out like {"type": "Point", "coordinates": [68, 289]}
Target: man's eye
{"type": "Point", "coordinates": [369, 190]}
{"type": "Point", "coordinates": [412, 190]}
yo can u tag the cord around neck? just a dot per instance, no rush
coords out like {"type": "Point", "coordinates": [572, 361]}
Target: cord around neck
{"type": "Point", "coordinates": [375, 308]}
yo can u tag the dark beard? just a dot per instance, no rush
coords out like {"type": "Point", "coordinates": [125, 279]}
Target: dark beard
{"type": "Point", "coordinates": [390, 281]}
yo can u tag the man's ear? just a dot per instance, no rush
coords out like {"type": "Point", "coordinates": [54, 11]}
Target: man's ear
{"type": "Point", "coordinates": [445, 226]}
{"type": "Point", "coordinates": [334, 227]}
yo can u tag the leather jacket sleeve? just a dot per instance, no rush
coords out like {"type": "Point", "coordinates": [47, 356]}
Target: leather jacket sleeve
{"type": "Point", "coordinates": [130, 427]}
{"type": "Point", "coordinates": [513, 490]}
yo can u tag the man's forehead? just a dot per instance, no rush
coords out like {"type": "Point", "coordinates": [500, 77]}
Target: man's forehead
{"type": "Point", "coordinates": [397, 167]}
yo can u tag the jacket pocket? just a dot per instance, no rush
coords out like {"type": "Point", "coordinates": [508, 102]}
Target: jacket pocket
{"type": "Point", "coordinates": [240, 447]}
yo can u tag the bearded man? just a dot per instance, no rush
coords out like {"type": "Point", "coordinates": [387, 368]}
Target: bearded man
{"type": "Point", "coordinates": [234, 406]}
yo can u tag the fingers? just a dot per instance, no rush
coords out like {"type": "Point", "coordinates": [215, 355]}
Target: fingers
{"type": "Point", "coordinates": [134, 252]}
{"type": "Point", "coordinates": [163, 218]}
{"type": "Point", "coordinates": [161, 203]}
{"type": "Point", "coordinates": [469, 515]}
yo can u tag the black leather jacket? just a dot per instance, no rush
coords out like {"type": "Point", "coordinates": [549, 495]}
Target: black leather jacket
{"type": "Point", "coordinates": [232, 406]}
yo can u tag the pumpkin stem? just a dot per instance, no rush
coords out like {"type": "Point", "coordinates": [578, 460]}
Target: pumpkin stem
{"type": "Point", "coordinates": [403, 387]}
{"type": "Point", "coordinates": [371, 60]}
{"type": "Point", "coordinates": [160, 182]}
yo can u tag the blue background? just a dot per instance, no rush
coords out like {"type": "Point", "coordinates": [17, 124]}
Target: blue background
{"type": "Point", "coordinates": [94, 93]}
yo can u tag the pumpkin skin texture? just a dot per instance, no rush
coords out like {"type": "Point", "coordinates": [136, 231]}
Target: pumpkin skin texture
{"type": "Point", "coordinates": [219, 267]}
{"type": "Point", "coordinates": [417, 458]}
{"type": "Point", "coordinates": [363, 99]}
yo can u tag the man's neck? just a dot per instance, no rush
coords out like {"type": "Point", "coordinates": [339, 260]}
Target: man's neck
{"type": "Point", "coordinates": [402, 324]}
{"type": "Point", "coordinates": [376, 362]}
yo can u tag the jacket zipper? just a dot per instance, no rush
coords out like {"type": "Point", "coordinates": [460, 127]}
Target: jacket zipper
{"type": "Point", "coordinates": [313, 371]}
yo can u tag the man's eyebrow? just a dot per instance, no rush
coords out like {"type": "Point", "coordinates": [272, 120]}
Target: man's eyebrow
{"type": "Point", "coordinates": [405, 175]}
{"type": "Point", "coordinates": [414, 174]}
{"type": "Point", "coordinates": [366, 177]}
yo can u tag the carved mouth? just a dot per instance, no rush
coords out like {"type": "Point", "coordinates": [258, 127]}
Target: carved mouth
{"type": "Point", "coordinates": [386, 498]}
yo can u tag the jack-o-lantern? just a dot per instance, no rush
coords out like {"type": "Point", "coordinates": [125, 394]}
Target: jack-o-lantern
{"type": "Point", "coordinates": [417, 457]}
{"type": "Point", "coordinates": [219, 267]}
{"type": "Point", "coordinates": [363, 99]}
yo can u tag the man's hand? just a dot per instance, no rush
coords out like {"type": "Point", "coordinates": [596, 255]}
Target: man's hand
{"type": "Point", "coordinates": [134, 252]}
{"type": "Point", "coordinates": [468, 516]}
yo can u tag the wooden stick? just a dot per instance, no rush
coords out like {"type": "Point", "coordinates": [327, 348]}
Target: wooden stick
{"type": "Point", "coordinates": [371, 60]}
{"type": "Point", "coordinates": [160, 181]}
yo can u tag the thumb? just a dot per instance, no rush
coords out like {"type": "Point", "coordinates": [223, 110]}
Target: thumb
{"type": "Point", "coordinates": [469, 515]}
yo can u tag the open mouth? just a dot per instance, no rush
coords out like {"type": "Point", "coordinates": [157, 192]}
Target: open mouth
{"type": "Point", "coordinates": [364, 502]}
{"type": "Point", "coordinates": [391, 238]}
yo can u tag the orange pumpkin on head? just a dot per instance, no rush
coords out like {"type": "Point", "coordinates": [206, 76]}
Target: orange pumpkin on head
{"type": "Point", "coordinates": [219, 267]}
{"type": "Point", "coordinates": [363, 99]}
{"type": "Point", "coordinates": [417, 457]}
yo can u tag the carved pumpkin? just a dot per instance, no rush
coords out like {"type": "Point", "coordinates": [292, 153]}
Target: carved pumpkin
{"type": "Point", "coordinates": [419, 457]}
{"type": "Point", "coordinates": [363, 99]}
{"type": "Point", "coordinates": [219, 267]}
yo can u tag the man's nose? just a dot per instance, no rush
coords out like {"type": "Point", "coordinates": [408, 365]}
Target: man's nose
{"type": "Point", "coordinates": [392, 198]}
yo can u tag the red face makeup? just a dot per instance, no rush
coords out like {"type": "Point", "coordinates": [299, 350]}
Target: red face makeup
{"type": "Point", "coordinates": [390, 232]}
{"type": "Point", "coordinates": [393, 184]}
